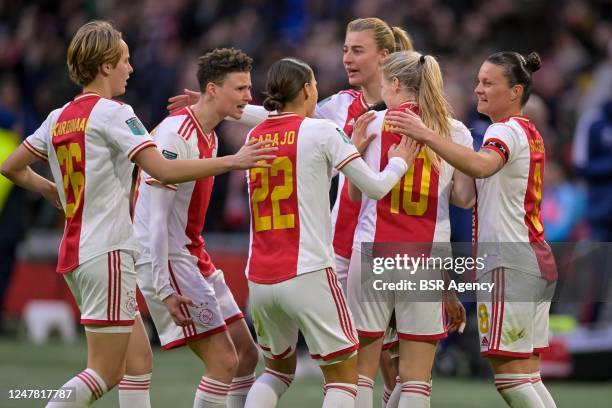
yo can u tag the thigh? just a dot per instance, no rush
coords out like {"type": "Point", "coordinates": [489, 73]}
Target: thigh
{"type": "Point", "coordinates": [541, 321]}
{"type": "Point", "coordinates": [105, 290]}
{"type": "Point", "coordinates": [342, 268]}
{"type": "Point", "coordinates": [506, 327]}
{"type": "Point", "coordinates": [315, 301]}
{"type": "Point", "coordinates": [371, 309]}
{"type": "Point", "coordinates": [277, 332]}
{"type": "Point", "coordinates": [167, 330]}
{"type": "Point", "coordinates": [227, 304]}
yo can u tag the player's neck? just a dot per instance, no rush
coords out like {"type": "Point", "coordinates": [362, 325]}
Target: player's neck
{"type": "Point", "coordinates": [297, 108]}
{"type": "Point", "coordinates": [371, 92]}
{"type": "Point", "coordinates": [206, 115]}
{"type": "Point", "coordinates": [505, 114]}
{"type": "Point", "coordinates": [99, 87]}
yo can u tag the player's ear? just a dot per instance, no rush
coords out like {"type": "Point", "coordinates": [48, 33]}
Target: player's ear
{"type": "Point", "coordinates": [105, 69]}
{"type": "Point", "coordinates": [516, 92]}
{"type": "Point", "coordinates": [306, 90]}
{"type": "Point", "coordinates": [211, 88]}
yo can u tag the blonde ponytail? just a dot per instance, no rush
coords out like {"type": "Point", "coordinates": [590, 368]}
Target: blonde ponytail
{"type": "Point", "coordinates": [421, 76]}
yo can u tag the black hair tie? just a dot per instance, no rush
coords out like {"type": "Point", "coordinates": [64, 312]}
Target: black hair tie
{"type": "Point", "coordinates": [422, 59]}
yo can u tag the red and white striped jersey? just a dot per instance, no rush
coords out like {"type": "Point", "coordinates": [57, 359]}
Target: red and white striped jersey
{"type": "Point", "coordinates": [289, 202]}
{"type": "Point", "coordinates": [89, 143]}
{"type": "Point", "coordinates": [509, 201]}
{"type": "Point", "coordinates": [416, 209]}
{"type": "Point", "coordinates": [343, 109]}
{"type": "Point", "coordinates": [179, 136]}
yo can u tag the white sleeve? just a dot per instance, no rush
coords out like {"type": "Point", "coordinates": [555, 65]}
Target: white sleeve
{"type": "Point", "coordinates": [375, 185]}
{"type": "Point", "coordinates": [161, 203]}
{"type": "Point", "coordinates": [172, 147]}
{"type": "Point", "coordinates": [461, 135]}
{"type": "Point", "coordinates": [502, 139]}
{"type": "Point", "coordinates": [336, 145]}
{"type": "Point", "coordinates": [38, 142]}
{"type": "Point", "coordinates": [125, 131]}
{"type": "Point", "coordinates": [252, 116]}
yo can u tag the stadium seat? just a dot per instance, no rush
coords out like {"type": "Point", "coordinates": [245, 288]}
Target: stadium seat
{"type": "Point", "coordinates": [43, 316]}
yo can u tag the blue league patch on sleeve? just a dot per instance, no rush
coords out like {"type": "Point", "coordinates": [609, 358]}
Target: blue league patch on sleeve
{"type": "Point", "coordinates": [344, 136]}
{"type": "Point", "coordinates": [136, 127]}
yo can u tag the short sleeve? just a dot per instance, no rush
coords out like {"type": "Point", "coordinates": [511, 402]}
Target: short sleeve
{"type": "Point", "coordinates": [461, 135]}
{"type": "Point", "coordinates": [38, 142]}
{"type": "Point", "coordinates": [340, 150]}
{"type": "Point", "coordinates": [172, 147]}
{"type": "Point", "coordinates": [125, 131]}
{"type": "Point", "coordinates": [325, 108]}
{"type": "Point", "coordinates": [502, 139]}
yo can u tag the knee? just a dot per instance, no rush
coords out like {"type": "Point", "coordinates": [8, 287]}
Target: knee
{"type": "Point", "coordinates": [248, 357]}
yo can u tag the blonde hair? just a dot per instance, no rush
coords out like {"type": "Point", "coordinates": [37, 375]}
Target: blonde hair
{"type": "Point", "coordinates": [386, 37]}
{"type": "Point", "coordinates": [421, 76]}
{"type": "Point", "coordinates": [95, 43]}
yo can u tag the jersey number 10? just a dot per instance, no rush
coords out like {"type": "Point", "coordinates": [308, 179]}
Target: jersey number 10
{"type": "Point", "coordinates": [260, 195]}
{"type": "Point", "coordinates": [421, 167]}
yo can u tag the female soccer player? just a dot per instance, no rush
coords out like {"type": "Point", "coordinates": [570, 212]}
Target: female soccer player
{"type": "Point", "coordinates": [367, 43]}
{"type": "Point", "coordinates": [168, 223]}
{"type": "Point", "coordinates": [416, 210]}
{"type": "Point", "coordinates": [290, 268]}
{"type": "Point", "coordinates": [90, 144]}
{"type": "Point", "coordinates": [509, 168]}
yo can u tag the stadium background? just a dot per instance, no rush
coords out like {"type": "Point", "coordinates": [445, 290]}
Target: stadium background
{"type": "Point", "coordinates": [573, 106]}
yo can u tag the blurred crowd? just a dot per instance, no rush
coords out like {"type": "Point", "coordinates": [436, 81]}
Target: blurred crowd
{"type": "Point", "coordinates": [572, 106]}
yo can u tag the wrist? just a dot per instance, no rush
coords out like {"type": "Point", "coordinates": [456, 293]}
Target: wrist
{"type": "Point", "coordinates": [230, 162]}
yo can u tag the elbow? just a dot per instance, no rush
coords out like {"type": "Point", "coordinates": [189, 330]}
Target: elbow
{"type": "Point", "coordinates": [7, 171]}
{"type": "Point", "coordinates": [465, 202]}
{"type": "Point", "coordinates": [376, 194]}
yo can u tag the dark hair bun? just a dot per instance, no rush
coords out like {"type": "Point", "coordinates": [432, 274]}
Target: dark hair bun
{"type": "Point", "coordinates": [533, 62]}
{"type": "Point", "coordinates": [273, 102]}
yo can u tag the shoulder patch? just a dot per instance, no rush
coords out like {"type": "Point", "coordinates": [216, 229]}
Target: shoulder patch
{"type": "Point", "coordinates": [169, 155]}
{"type": "Point", "coordinates": [344, 136]}
{"type": "Point", "coordinates": [136, 126]}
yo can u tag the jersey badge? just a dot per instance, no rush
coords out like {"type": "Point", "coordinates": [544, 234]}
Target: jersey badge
{"type": "Point", "coordinates": [344, 136]}
{"type": "Point", "coordinates": [136, 126]}
{"type": "Point", "coordinates": [169, 155]}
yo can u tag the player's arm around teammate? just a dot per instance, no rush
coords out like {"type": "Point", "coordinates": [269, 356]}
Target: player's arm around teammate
{"type": "Point", "coordinates": [108, 135]}
{"type": "Point", "coordinates": [511, 157]}
{"type": "Point", "coordinates": [278, 275]}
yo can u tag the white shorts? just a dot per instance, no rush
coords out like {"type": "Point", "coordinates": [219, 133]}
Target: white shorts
{"type": "Point", "coordinates": [342, 266]}
{"type": "Point", "coordinates": [230, 312]}
{"type": "Point", "coordinates": [312, 303]}
{"type": "Point", "coordinates": [416, 320]}
{"type": "Point", "coordinates": [514, 328]}
{"type": "Point", "coordinates": [187, 280]}
{"type": "Point", "coordinates": [104, 289]}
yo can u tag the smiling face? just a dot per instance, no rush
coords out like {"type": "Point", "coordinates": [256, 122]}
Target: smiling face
{"type": "Point", "coordinates": [496, 98]}
{"type": "Point", "coordinates": [119, 74]}
{"type": "Point", "coordinates": [361, 57]}
{"type": "Point", "coordinates": [233, 94]}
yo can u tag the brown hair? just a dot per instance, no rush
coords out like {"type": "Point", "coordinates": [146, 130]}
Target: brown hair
{"type": "Point", "coordinates": [421, 76]}
{"type": "Point", "coordinates": [95, 43]}
{"type": "Point", "coordinates": [386, 37]}
{"type": "Point", "coordinates": [517, 69]}
{"type": "Point", "coordinates": [286, 78]}
{"type": "Point", "coordinates": [215, 65]}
